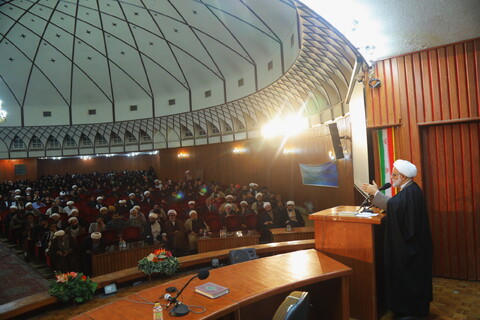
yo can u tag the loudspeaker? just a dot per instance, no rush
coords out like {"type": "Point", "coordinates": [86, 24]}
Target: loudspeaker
{"type": "Point", "coordinates": [242, 255]}
{"type": "Point", "coordinates": [337, 145]}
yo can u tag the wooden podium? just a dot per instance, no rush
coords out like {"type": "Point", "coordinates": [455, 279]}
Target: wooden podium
{"type": "Point", "coordinates": [358, 243]}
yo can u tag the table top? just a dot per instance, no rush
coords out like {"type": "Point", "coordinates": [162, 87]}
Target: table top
{"type": "Point", "coordinates": [294, 230]}
{"type": "Point", "coordinates": [346, 214]}
{"type": "Point", "coordinates": [259, 279]}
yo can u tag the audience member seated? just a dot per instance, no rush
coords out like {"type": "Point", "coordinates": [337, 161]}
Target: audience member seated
{"type": "Point", "coordinates": [258, 204]}
{"type": "Point", "coordinates": [74, 229]}
{"type": "Point", "coordinates": [132, 200]}
{"type": "Point", "coordinates": [291, 216]}
{"type": "Point", "coordinates": [105, 214]}
{"type": "Point", "coordinates": [82, 222]}
{"type": "Point", "coordinates": [152, 231]}
{"type": "Point", "coordinates": [117, 223]}
{"type": "Point", "coordinates": [61, 252]}
{"type": "Point", "coordinates": [30, 209]}
{"type": "Point", "coordinates": [135, 220]}
{"type": "Point", "coordinates": [97, 226]}
{"type": "Point", "coordinates": [245, 209]}
{"type": "Point", "coordinates": [266, 221]}
{"type": "Point", "coordinates": [55, 208]}
{"type": "Point", "coordinates": [17, 224]}
{"type": "Point", "coordinates": [195, 227]}
{"type": "Point", "coordinates": [229, 200]}
{"type": "Point", "coordinates": [70, 206]}
{"type": "Point", "coordinates": [176, 238]}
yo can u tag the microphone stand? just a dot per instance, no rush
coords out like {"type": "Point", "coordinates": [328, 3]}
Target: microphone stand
{"type": "Point", "coordinates": [179, 309]}
{"type": "Point", "coordinates": [365, 201]}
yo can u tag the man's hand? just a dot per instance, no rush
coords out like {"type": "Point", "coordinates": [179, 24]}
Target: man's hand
{"type": "Point", "coordinates": [370, 188]}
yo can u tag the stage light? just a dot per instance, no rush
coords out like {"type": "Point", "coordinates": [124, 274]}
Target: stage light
{"type": "Point", "coordinates": [239, 150]}
{"type": "Point", "coordinates": [290, 126]}
{"type": "Point", "coordinates": [183, 155]}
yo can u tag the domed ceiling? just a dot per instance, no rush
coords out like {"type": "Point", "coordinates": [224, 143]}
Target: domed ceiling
{"type": "Point", "coordinates": [85, 77]}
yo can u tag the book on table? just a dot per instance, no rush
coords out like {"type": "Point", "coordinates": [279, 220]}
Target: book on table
{"type": "Point", "coordinates": [211, 290]}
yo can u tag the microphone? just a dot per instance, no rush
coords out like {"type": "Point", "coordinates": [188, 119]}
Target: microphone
{"type": "Point", "coordinates": [385, 186]}
{"type": "Point", "coordinates": [181, 309]}
{"type": "Point", "coordinates": [168, 297]}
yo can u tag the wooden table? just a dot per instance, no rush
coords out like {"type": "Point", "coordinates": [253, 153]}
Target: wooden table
{"type": "Point", "coordinates": [257, 288]}
{"type": "Point", "coordinates": [300, 233]}
{"type": "Point", "coordinates": [358, 243]}
{"type": "Point", "coordinates": [233, 240]}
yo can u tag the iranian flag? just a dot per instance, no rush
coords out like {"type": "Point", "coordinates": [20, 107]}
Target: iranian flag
{"type": "Point", "coordinates": [386, 150]}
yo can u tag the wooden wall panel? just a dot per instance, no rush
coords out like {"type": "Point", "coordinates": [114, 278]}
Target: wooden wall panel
{"type": "Point", "coordinates": [438, 116]}
{"type": "Point", "coordinates": [7, 169]}
{"type": "Point", "coordinates": [100, 164]}
{"type": "Point", "coordinates": [453, 192]}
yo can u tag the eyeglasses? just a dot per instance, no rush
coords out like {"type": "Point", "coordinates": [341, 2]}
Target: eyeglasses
{"type": "Point", "coordinates": [395, 174]}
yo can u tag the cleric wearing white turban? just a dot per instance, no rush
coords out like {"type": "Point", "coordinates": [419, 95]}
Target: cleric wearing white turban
{"type": "Point", "coordinates": [408, 244]}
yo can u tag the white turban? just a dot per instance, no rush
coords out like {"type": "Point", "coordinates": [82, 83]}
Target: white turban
{"type": "Point", "coordinates": [99, 198]}
{"type": "Point", "coordinates": [55, 215]}
{"type": "Point", "coordinates": [146, 192]}
{"type": "Point", "coordinates": [153, 214]}
{"type": "Point", "coordinates": [74, 186]}
{"type": "Point", "coordinates": [96, 235]}
{"type": "Point", "coordinates": [406, 168]}
{"type": "Point", "coordinates": [266, 204]}
{"type": "Point", "coordinates": [18, 190]}
{"type": "Point", "coordinates": [59, 233]}
{"type": "Point", "coordinates": [171, 211]}
{"type": "Point", "coordinates": [72, 219]}
{"type": "Point", "coordinates": [258, 195]}
{"type": "Point", "coordinates": [17, 196]}
{"type": "Point", "coordinates": [192, 212]}
{"type": "Point", "coordinates": [229, 197]}
{"type": "Point", "coordinates": [73, 210]}
{"type": "Point", "coordinates": [290, 203]}
{"type": "Point", "coordinates": [191, 202]}
{"type": "Point", "coordinates": [13, 207]}
{"type": "Point", "coordinates": [122, 201]}
{"type": "Point", "coordinates": [228, 205]}
{"type": "Point", "coordinates": [29, 188]}
{"type": "Point", "coordinates": [132, 194]}
{"type": "Point", "coordinates": [244, 202]}
{"type": "Point", "coordinates": [70, 203]}
{"type": "Point", "coordinates": [62, 193]}
{"type": "Point", "coordinates": [28, 204]}
{"type": "Point", "coordinates": [103, 209]}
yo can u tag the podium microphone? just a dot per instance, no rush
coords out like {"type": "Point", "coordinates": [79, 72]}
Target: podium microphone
{"type": "Point", "coordinates": [385, 186]}
{"type": "Point", "coordinates": [180, 309]}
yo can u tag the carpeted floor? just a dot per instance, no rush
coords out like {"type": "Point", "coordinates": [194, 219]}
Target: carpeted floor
{"type": "Point", "coordinates": [18, 279]}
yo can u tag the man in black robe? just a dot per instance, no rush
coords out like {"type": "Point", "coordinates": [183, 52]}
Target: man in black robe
{"type": "Point", "coordinates": [408, 244]}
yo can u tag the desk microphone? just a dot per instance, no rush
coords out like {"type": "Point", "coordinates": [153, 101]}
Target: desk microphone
{"type": "Point", "coordinates": [181, 309]}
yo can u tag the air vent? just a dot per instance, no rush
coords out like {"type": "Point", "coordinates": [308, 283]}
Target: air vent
{"type": "Point", "coordinates": [92, 112]}
{"type": "Point", "coordinates": [240, 82]}
{"type": "Point", "coordinates": [208, 93]}
{"type": "Point", "coordinates": [133, 108]}
{"type": "Point", "coordinates": [270, 65]}
{"type": "Point", "coordinates": [171, 102]}
{"type": "Point", "coordinates": [47, 113]}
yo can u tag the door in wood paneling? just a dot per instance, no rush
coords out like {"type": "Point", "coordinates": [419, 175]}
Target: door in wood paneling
{"type": "Point", "coordinates": [450, 156]}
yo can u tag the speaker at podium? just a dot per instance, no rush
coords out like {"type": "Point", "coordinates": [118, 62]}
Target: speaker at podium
{"type": "Point", "coordinates": [242, 255]}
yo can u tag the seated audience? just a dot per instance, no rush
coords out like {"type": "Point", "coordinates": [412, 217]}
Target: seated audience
{"type": "Point", "coordinates": [195, 227]}
{"type": "Point", "coordinates": [175, 231]}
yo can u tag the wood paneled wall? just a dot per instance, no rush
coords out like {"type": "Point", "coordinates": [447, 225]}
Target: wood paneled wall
{"type": "Point", "coordinates": [7, 169]}
{"type": "Point", "coordinates": [100, 164]}
{"type": "Point", "coordinates": [432, 99]}
{"type": "Point", "coordinates": [452, 184]}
